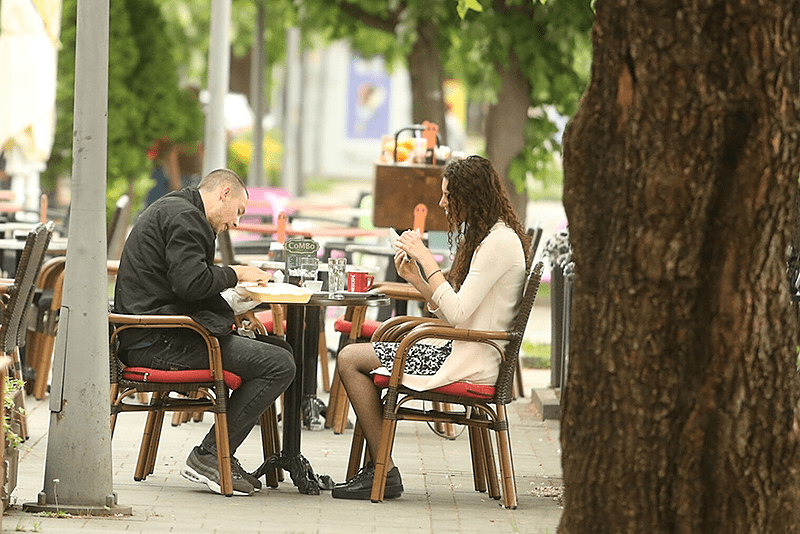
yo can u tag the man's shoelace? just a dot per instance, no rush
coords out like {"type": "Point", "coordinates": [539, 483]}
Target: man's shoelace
{"type": "Point", "coordinates": [365, 472]}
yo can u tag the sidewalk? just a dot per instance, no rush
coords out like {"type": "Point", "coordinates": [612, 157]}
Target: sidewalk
{"type": "Point", "coordinates": [437, 475]}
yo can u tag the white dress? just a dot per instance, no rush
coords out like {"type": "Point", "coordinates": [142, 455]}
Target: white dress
{"type": "Point", "coordinates": [488, 300]}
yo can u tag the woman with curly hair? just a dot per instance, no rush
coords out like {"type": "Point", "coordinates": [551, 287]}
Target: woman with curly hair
{"type": "Point", "coordinates": [481, 292]}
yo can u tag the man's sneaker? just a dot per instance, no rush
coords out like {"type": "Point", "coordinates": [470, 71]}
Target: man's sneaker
{"type": "Point", "coordinates": [202, 468]}
{"type": "Point", "coordinates": [360, 486]}
{"type": "Point", "coordinates": [236, 467]}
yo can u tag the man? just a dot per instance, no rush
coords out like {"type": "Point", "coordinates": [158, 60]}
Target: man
{"type": "Point", "coordinates": [167, 267]}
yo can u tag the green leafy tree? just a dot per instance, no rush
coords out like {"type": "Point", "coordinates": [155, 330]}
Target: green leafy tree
{"type": "Point", "coordinates": [145, 100]}
{"type": "Point", "coordinates": [514, 54]}
{"type": "Point", "coordinates": [519, 55]}
{"type": "Point", "coordinates": [188, 23]}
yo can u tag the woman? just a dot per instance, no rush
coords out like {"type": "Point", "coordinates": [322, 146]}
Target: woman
{"type": "Point", "coordinates": [482, 292]}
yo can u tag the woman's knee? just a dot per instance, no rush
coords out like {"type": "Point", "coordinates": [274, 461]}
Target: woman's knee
{"type": "Point", "coordinates": [357, 357]}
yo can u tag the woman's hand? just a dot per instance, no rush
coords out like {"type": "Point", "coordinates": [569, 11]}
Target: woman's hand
{"type": "Point", "coordinates": [407, 269]}
{"type": "Point", "coordinates": [411, 243]}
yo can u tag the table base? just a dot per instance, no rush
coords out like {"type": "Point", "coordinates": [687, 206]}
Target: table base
{"type": "Point", "coordinates": [299, 468]}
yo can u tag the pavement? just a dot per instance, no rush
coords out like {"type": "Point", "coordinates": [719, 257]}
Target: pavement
{"type": "Point", "coordinates": [437, 475]}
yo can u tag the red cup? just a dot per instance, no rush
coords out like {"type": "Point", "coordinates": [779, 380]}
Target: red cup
{"type": "Point", "coordinates": [359, 281]}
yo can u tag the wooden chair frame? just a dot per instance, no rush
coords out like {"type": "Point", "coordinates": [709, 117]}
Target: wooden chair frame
{"type": "Point", "coordinates": [211, 396]}
{"type": "Point", "coordinates": [480, 415]}
{"type": "Point", "coordinates": [42, 333]}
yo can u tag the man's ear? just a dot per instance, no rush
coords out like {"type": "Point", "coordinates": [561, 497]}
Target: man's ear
{"type": "Point", "coordinates": [224, 192]}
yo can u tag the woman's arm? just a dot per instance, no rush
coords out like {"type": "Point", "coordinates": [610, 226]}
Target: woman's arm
{"type": "Point", "coordinates": [499, 252]}
{"type": "Point", "coordinates": [431, 276]}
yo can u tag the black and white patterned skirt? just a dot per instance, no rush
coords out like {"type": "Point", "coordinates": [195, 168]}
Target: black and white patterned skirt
{"type": "Point", "coordinates": [422, 359]}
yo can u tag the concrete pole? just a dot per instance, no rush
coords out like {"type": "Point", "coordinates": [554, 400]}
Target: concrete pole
{"type": "Point", "coordinates": [291, 117]}
{"type": "Point", "coordinates": [219, 71]}
{"type": "Point", "coordinates": [78, 475]}
{"type": "Point", "coordinates": [256, 177]}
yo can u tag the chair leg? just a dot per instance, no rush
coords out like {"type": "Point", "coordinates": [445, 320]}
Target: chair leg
{"type": "Point", "coordinates": [491, 467]}
{"type": "Point", "coordinates": [356, 451]}
{"type": "Point", "coordinates": [445, 430]}
{"type": "Point", "coordinates": [155, 439]}
{"type": "Point", "coordinates": [506, 463]}
{"type": "Point", "coordinates": [44, 361]}
{"type": "Point", "coordinates": [178, 418]}
{"type": "Point", "coordinates": [223, 454]}
{"type": "Point", "coordinates": [336, 387]}
{"type": "Point", "coordinates": [478, 459]}
{"type": "Point", "coordinates": [338, 405]}
{"type": "Point", "coordinates": [144, 448]}
{"type": "Point", "coordinates": [384, 453]}
{"type": "Point", "coordinates": [270, 443]}
{"type": "Point", "coordinates": [32, 350]}
{"type": "Point", "coordinates": [323, 354]}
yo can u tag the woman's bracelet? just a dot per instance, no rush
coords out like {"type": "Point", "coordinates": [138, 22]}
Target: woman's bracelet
{"type": "Point", "coordinates": [434, 272]}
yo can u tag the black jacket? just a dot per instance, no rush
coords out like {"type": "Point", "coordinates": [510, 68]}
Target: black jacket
{"type": "Point", "coordinates": [167, 267]}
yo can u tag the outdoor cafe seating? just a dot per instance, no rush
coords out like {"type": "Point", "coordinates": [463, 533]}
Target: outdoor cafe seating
{"type": "Point", "coordinates": [17, 295]}
{"type": "Point", "coordinates": [204, 390]}
{"type": "Point", "coordinates": [483, 408]}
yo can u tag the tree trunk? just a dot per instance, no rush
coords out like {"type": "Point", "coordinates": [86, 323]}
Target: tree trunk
{"type": "Point", "coordinates": [505, 127]}
{"type": "Point", "coordinates": [427, 77]}
{"type": "Point", "coordinates": [681, 169]}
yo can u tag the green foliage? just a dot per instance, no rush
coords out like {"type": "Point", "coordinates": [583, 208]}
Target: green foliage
{"type": "Point", "coordinates": [188, 23]}
{"type": "Point", "coordinates": [10, 387]}
{"type": "Point", "coordinates": [466, 5]}
{"type": "Point", "coordinates": [553, 43]}
{"type": "Point", "coordinates": [535, 355]}
{"type": "Point", "coordinates": [145, 101]}
{"type": "Point", "coordinates": [240, 151]}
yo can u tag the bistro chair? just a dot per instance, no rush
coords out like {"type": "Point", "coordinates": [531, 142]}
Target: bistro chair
{"type": "Point", "coordinates": [483, 406]}
{"type": "Point", "coordinates": [535, 233]}
{"type": "Point", "coordinates": [17, 296]}
{"type": "Point", "coordinates": [42, 330]}
{"type": "Point", "coordinates": [201, 390]}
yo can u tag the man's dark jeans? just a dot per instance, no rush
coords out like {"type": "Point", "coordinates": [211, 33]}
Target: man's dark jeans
{"type": "Point", "coordinates": [266, 370]}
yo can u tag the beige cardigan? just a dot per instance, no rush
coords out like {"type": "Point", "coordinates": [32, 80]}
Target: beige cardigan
{"type": "Point", "coordinates": [488, 300]}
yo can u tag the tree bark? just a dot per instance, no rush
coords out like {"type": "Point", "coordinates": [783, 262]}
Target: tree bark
{"type": "Point", "coordinates": [505, 127]}
{"type": "Point", "coordinates": [681, 170]}
{"type": "Point", "coordinates": [427, 77]}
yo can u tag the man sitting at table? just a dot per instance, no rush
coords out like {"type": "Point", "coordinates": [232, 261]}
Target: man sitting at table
{"type": "Point", "coordinates": [167, 268]}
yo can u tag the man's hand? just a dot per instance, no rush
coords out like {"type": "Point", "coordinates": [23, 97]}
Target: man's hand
{"type": "Point", "coordinates": [251, 273]}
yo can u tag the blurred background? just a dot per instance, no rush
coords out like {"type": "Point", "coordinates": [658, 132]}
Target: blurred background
{"type": "Point", "coordinates": [314, 88]}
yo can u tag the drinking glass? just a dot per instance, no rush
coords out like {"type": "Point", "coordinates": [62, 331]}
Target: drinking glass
{"type": "Point", "coordinates": [308, 269]}
{"type": "Point", "coordinates": [336, 277]}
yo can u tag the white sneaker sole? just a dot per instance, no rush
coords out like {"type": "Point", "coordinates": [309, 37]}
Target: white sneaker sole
{"type": "Point", "coordinates": [190, 474]}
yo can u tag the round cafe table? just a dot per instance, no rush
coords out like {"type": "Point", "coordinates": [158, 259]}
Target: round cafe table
{"type": "Point", "coordinates": [302, 333]}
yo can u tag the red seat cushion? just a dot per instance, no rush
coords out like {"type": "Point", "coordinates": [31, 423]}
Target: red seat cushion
{"type": "Point", "coordinates": [266, 319]}
{"type": "Point", "coordinates": [457, 389]}
{"type": "Point", "coordinates": [342, 326]}
{"type": "Point", "coordinates": [189, 376]}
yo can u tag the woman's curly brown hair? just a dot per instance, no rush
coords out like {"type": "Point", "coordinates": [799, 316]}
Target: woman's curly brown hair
{"type": "Point", "coordinates": [476, 200]}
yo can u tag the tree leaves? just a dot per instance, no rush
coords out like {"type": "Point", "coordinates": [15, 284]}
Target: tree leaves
{"type": "Point", "coordinates": [466, 5]}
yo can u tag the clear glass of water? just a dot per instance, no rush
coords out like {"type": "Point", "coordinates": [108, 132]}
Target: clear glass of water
{"type": "Point", "coordinates": [308, 269]}
{"type": "Point", "coordinates": [336, 277]}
